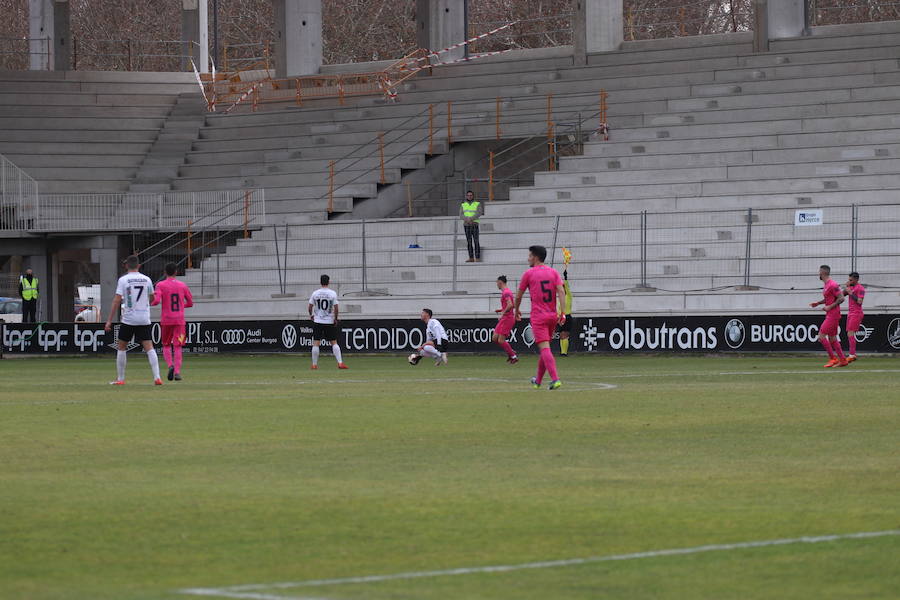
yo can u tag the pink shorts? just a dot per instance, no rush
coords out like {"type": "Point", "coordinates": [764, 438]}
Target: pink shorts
{"type": "Point", "coordinates": [830, 325]}
{"type": "Point", "coordinates": [543, 327]}
{"type": "Point", "coordinates": [173, 335]}
{"type": "Point", "coordinates": [854, 321]}
{"type": "Point", "coordinates": [504, 327]}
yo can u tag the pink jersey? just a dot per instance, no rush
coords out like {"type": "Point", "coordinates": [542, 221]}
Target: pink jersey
{"type": "Point", "coordinates": [541, 282]}
{"type": "Point", "coordinates": [831, 292]}
{"type": "Point", "coordinates": [507, 299]}
{"type": "Point", "coordinates": [175, 296]}
{"type": "Point", "coordinates": [860, 292]}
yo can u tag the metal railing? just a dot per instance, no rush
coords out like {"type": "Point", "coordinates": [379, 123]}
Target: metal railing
{"type": "Point", "coordinates": [135, 211]}
{"type": "Point", "coordinates": [18, 197]}
{"type": "Point", "coordinates": [676, 252]}
{"type": "Point", "coordinates": [91, 54]}
{"type": "Point", "coordinates": [689, 18]}
{"type": "Point", "coordinates": [840, 12]}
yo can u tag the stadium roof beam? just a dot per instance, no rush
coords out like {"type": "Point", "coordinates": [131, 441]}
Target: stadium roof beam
{"type": "Point", "coordinates": [298, 37]}
{"type": "Point", "coordinates": [49, 33]}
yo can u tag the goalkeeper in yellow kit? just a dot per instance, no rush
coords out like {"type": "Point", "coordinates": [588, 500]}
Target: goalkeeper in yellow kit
{"type": "Point", "coordinates": [566, 327]}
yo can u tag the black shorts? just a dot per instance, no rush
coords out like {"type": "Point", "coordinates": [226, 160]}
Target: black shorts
{"type": "Point", "coordinates": [442, 345]}
{"type": "Point", "coordinates": [568, 325]}
{"type": "Point", "coordinates": [325, 331]}
{"type": "Point", "coordinates": [140, 333]}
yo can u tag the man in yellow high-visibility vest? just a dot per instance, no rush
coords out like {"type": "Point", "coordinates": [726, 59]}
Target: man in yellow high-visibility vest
{"type": "Point", "coordinates": [28, 290]}
{"type": "Point", "coordinates": [470, 211]}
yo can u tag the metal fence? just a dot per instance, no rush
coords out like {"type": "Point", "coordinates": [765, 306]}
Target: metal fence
{"type": "Point", "coordinates": [683, 251]}
{"type": "Point", "coordinates": [18, 195]}
{"type": "Point", "coordinates": [128, 211]}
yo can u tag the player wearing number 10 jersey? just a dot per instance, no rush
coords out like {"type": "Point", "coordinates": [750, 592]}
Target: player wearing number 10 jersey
{"type": "Point", "coordinates": [323, 308]}
{"type": "Point", "coordinates": [545, 288]}
{"type": "Point", "coordinates": [174, 296]}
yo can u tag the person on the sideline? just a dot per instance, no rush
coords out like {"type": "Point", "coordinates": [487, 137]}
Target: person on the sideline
{"type": "Point", "coordinates": [545, 288]}
{"type": "Point", "coordinates": [134, 293]}
{"type": "Point", "coordinates": [323, 310]}
{"type": "Point", "coordinates": [828, 332]}
{"type": "Point", "coordinates": [175, 296]}
{"type": "Point", "coordinates": [436, 343]}
{"type": "Point", "coordinates": [856, 293]}
{"type": "Point", "coordinates": [506, 320]}
{"type": "Point", "coordinates": [28, 291]}
{"type": "Point", "coordinates": [470, 211]}
{"type": "Point", "coordinates": [565, 329]}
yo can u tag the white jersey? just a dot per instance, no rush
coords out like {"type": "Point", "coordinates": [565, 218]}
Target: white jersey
{"type": "Point", "coordinates": [135, 289]}
{"type": "Point", "coordinates": [434, 331]}
{"type": "Point", "coordinates": [323, 301]}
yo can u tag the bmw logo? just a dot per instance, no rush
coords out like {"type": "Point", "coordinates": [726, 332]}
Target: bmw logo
{"type": "Point", "coordinates": [734, 334]}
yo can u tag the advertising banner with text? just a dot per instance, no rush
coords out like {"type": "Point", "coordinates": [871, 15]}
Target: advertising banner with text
{"type": "Point", "coordinates": [757, 333]}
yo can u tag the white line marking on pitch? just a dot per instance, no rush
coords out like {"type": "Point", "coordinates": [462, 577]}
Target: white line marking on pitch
{"type": "Point", "coordinates": [246, 591]}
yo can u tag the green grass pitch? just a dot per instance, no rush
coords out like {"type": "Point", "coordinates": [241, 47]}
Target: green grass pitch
{"type": "Point", "coordinates": [256, 470]}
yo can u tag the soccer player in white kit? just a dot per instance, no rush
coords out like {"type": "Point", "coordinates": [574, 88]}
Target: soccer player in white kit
{"type": "Point", "coordinates": [436, 343]}
{"type": "Point", "coordinates": [323, 308]}
{"type": "Point", "coordinates": [134, 293]}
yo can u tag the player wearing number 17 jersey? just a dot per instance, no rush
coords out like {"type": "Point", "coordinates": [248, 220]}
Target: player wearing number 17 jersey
{"type": "Point", "coordinates": [545, 288]}
{"type": "Point", "coordinates": [174, 296]}
{"type": "Point", "coordinates": [134, 293]}
{"type": "Point", "coordinates": [323, 308]}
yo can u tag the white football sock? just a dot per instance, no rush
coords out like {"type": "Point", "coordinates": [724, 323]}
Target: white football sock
{"type": "Point", "coordinates": [337, 353]}
{"type": "Point", "coordinates": [121, 359]}
{"type": "Point", "coordinates": [315, 354]}
{"type": "Point", "coordinates": [154, 362]}
{"type": "Point", "coordinates": [431, 351]}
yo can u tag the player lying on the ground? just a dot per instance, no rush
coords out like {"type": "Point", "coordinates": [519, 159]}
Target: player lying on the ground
{"type": "Point", "coordinates": [828, 332]}
{"type": "Point", "coordinates": [175, 296]}
{"type": "Point", "coordinates": [323, 309]}
{"type": "Point", "coordinates": [436, 343]}
{"type": "Point", "coordinates": [855, 293]}
{"type": "Point", "coordinates": [134, 293]}
{"type": "Point", "coordinates": [545, 288]}
{"type": "Point", "coordinates": [506, 320]}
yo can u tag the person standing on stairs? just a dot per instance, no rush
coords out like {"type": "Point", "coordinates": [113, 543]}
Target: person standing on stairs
{"type": "Point", "coordinates": [470, 211]}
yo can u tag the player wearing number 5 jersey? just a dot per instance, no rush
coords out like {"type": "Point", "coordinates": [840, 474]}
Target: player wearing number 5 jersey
{"type": "Point", "coordinates": [134, 293]}
{"type": "Point", "coordinates": [545, 288]}
{"type": "Point", "coordinates": [174, 296]}
{"type": "Point", "coordinates": [323, 309]}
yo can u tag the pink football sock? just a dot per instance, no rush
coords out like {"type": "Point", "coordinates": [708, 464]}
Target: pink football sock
{"type": "Point", "coordinates": [167, 355]}
{"type": "Point", "coordinates": [827, 345]}
{"type": "Point", "coordinates": [541, 369]}
{"type": "Point", "coordinates": [550, 363]}
{"type": "Point", "coordinates": [177, 359]}
{"type": "Point", "coordinates": [851, 339]}
{"type": "Point", "coordinates": [507, 348]}
{"type": "Point", "coordinates": [836, 344]}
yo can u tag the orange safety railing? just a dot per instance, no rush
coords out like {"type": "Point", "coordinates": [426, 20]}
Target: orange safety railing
{"type": "Point", "coordinates": [233, 89]}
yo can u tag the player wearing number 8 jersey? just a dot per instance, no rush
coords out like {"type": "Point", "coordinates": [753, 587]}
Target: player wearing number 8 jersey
{"type": "Point", "coordinates": [174, 296]}
{"type": "Point", "coordinates": [134, 293]}
{"type": "Point", "coordinates": [545, 288]}
{"type": "Point", "coordinates": [323, 309]}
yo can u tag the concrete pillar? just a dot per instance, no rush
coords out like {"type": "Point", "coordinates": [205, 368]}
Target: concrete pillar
{"type": "Point", "coordinates": [50, 47]}
{"type": "Point", "coordinates": [107, 256]}
{"type": "Point", "coordinates": [190, 34]}
{"type": "Point", "coordinates": [298, 37]}
{"type": "Point", "coordinates": [439, 24]}
{"type": "Point", "coordinates": [786, 18]}
{"type": "Point", "coordinates": [599, 27]}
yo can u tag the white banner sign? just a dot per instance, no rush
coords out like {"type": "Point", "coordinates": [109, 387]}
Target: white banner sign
{"type": "Point", "coordinates": [807, 217]}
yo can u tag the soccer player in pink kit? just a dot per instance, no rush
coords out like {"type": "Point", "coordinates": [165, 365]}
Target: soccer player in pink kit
{"type": "Point", "coordinates": [175, 296]}
{"type": "Point", "coordinates": [856, 294]}
{"type": "Point", "coordinates": [545, 288]}
{"type": "Point", "coordinates": [506, 320]}
{"type": "Point", "coordinates": [828, 332]}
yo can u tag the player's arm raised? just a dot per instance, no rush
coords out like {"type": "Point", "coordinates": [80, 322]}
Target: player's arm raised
{"type": "Point", "coordinates": [116, 303]}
